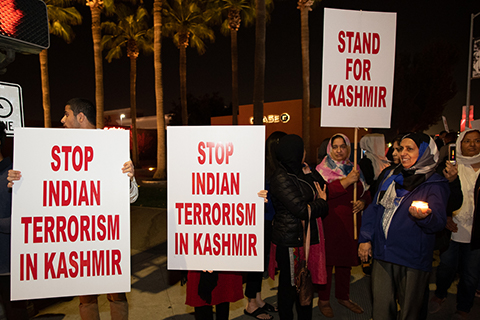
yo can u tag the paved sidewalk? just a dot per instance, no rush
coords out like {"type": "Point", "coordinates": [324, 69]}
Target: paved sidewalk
{"type": "Point", "coordinates": [157, 294]}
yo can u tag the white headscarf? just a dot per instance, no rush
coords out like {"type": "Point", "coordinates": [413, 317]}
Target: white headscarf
{"type": "Point", "coordinates": [464, 215]}
{"type": "Point", "coordinates": [460, 157]}
{"type": "Point", "coordinates": [374, 146]}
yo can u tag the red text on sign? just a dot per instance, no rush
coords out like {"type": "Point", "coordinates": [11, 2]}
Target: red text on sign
{"type": "Point", "coordinates": [359, 68]}
{"type": "Point", "coordinates": [358, 42]}
{"type": "Point", "coordinates": [46, 229]}
{"type": "Point", "coordinates": [78, 157]}
{"type": "Point", "coordinates": [215, 183]}
{"type": "Point", "coordinates": [83, 264]}
{"type": "Point", "coordinates": [226, 214]}
{"type": "Point", "coordinates": [357, 96]}
{"type": "Point", "coordinates": [225, 244]}
{"type": "Point", "coordinates": [28, 266]}
{"type": "Point", "coordinates": [218, 152]}
{"type": "Point", "coordinates": [76, 193]}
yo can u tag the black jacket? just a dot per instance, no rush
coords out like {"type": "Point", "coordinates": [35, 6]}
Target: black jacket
{"type": "Point", "coordinates": [290, 197]}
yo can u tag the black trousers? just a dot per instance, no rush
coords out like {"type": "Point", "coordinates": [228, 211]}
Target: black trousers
{"type": "Point", "coordinates": [254, 279]}
{"type": "Point", "coordinates": [222, 311]}
{"type": "Point", "coordinates": [287, 294]}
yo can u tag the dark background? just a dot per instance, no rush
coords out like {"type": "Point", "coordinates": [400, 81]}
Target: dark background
{"type": "Point", "coordinates": [71, 66]}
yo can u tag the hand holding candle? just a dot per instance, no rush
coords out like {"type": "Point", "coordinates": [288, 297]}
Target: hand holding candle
{"type": "Point", "coordinates": [419, 209]}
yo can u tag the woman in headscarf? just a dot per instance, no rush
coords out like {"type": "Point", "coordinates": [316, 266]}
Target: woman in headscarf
{"type": "Point", "coordinates": [393, 154]}
{"type": "Point", "coordinates": [340, 245]}
{"type": "Point", "coordinates": [374, 159]}
{"type": "Point", "coordinates": [295, 192]}
{"type": "Point", "coordinates": [256, 306]}
{"type": "Point", "coordinates": [401, 236]}
{"type": "Point", "coordinates": [462, 252]}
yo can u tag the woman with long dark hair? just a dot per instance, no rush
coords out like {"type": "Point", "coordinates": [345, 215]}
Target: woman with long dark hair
{"type": "Point", "coordinates": [256, 306]}
{"type": "Point", "coordinates": [296, 191]}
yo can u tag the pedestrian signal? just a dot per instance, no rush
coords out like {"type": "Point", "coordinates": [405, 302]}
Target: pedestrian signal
{"type": "Point", "coordinates": [24, 26]}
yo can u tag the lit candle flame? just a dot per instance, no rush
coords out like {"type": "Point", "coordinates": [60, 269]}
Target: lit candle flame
{"type": "Point", "coordinates": [420, 204]}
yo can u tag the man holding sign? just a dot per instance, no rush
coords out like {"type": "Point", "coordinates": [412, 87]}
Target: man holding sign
{"type": "Point", "coordinates": [80, 114]}
{"type": "Point", "coordinates": [12, 309]}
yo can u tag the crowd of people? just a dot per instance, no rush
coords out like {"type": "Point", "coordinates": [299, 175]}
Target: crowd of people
{"type": "Point", "coordinates": [409, 202]}
{"type": "Point", "coordinates": [395, 206]}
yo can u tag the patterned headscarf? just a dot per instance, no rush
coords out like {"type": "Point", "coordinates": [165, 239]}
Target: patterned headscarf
{"type": "Point", "coordinates": [402, 180]}
{"type": "Point", "coordinates": [332, 170]}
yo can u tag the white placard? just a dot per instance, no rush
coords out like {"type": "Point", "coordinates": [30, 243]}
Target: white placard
{"type": "Point", "coordinates": [71, 213]}
{"type": "Point", "coordinates": [11, 107]}
{"type": "Point", "coordinates": [215, 218]}
{"type": "Point", "coordinates": [358, 68]}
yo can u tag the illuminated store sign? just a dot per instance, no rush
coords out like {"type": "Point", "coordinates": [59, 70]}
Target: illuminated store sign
{"type": "Point", "coordinates": [274, 118]}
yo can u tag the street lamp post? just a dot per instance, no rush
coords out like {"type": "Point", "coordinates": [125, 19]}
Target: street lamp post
{"type": "Point", "coordinates": [469, 73]}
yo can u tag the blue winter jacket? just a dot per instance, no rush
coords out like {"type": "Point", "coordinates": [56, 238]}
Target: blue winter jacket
{"type": "Point", "coordinates": [410, 241]}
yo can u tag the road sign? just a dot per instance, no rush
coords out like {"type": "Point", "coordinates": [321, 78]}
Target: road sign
{"type": "Point", "coordinates": [11, 106]}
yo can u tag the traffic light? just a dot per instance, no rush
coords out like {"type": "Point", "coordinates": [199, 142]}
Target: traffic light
{"type": "Point", "coordinates": [24, 26]}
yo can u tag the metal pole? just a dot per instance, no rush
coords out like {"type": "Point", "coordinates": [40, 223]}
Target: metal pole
{"type": "Point", "coordinates": [469, 73]}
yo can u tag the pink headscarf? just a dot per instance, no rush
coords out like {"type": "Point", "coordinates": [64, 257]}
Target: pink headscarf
{"type": "Point", "coordinates": [332, 170]}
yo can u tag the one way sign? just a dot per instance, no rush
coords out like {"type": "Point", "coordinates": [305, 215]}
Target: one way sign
{"type": "Point", "coordinates": [11, 106]}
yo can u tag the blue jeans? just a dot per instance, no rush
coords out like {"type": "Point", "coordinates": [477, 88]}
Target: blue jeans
{"type": "Point", "coordinates": [459, 258]}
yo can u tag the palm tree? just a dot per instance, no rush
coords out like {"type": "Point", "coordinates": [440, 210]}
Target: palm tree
{"type": "Point", "coordinates": [160, 173]}
{"type": "Point", "coordinates": [186, 22]}
{"type": "Point", "coordinates": [96, 8]}
{"type": "Point", "coordinates": [60, 19]}
{"type": "Point", "coordinates": [259, 77]}
{"type": "Point", "coordinates": [131, 32]}
{"type": "Point", "coordinates": [305, 6]}
{"type": "Point", "coordinates": [235, 12]}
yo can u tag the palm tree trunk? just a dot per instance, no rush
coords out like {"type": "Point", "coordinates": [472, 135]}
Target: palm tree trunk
{"type": "Point", "coordinates": [45, 88]}
{"type": "Point", "coordinates": [183, 84]}
{"type": "Point", "coordinates": [97, 52]}
{"type": "Point", "coordinates": [233, 36]}
{"type": "Point", "coordinates": [306, 77]}
{"type": "Point", "coordinates": [259, 78]}
{"type": "Point", "coordinates": [133, 108]}
{"type": "Point", "coordinates": [157, 46]}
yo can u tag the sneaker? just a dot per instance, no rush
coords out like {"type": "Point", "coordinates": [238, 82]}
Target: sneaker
{"type": "Point", "coordinates": [435, 304]}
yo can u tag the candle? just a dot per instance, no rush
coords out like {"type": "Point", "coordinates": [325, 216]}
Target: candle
{"type": "Point", "coordinates": [420, 205]}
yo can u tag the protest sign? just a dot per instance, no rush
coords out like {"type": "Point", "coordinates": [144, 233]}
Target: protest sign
{"type": "Point", "coordinates": [358, 68]}
{"type": "Point", "coordinates": [215, 218]}
{"type": "Point", "coordinates": [71, 213]}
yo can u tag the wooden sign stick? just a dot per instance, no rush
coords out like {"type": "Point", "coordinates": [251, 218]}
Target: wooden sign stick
{"type": "Point", "coordinates": [355, 236]}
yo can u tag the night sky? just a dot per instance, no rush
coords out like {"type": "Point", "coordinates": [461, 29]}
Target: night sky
{"type": "Point", "coordinates": [71, 66]}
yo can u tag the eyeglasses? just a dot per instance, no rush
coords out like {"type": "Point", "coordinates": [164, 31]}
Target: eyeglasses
{"type": "Point", "coordinates": [342, 146]}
